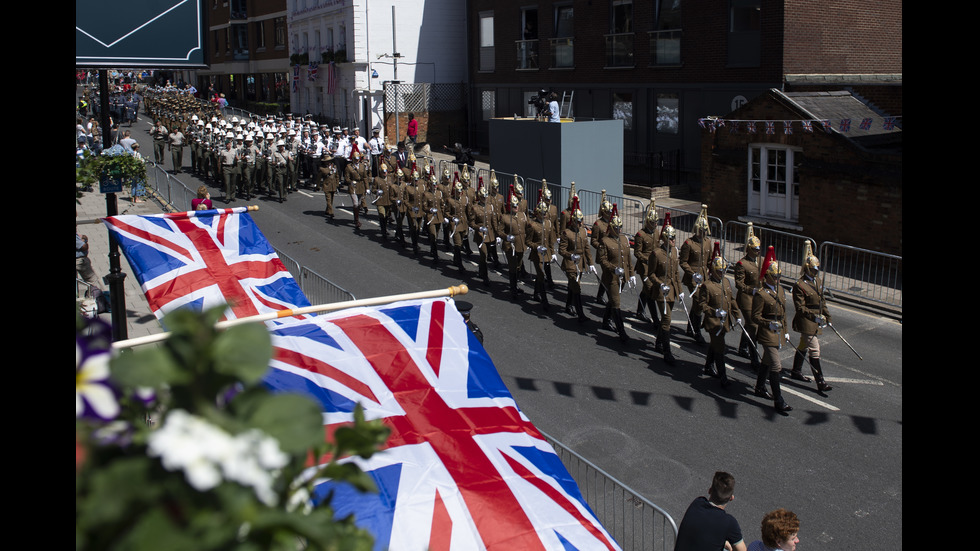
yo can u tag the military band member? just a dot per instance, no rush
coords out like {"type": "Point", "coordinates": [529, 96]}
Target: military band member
{"type": "Point", "coordinates": [769, 314]}
{"type": "Point", "coordinates": [577, 259]}
{"type": "Point", "coordinates": [694, 256]}
{"type": "Point", "coordinates": [599, 228]}
{"type": "Point", "coordinates": [644, 243]}
{"type": "Point", "coordinates": [482, 217]}
{"type": "Point", "coordinates": [719, 314]}
{"type": "Point", "coordinates": [810, 318]}
{"type": "Point", "coordinates": [663, 285]}
{"type": "Point", "coordinates": [747, 282]}
{"type": "Point", "coordinates": [617, 272]}
{"type": "Point", "coordinates": [329, 182]}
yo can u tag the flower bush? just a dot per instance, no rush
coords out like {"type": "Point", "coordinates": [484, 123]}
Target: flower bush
{"type": "Point", "coordinates": [180, 446]}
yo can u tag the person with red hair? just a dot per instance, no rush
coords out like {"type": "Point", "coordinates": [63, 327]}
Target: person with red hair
{"type": "Point", "coordinates": [780, 529]}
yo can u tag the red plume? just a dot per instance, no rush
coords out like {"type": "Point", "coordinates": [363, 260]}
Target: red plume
{"type": "Point", "coordinates": [770, 258]}
{"type": "Point", "coordinates": [614, 211]}
{"type": "Point", "coordinates": [575, 203]}
{"type": "Point", "coordinates": [717, 252]}
{"type": "Point", "coordinates": [666, 223]}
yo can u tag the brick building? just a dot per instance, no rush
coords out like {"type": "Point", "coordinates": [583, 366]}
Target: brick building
{"type": "Point", "coordinates": [660, 66]}
{"type": "Point", "coordinates": [835, 182]}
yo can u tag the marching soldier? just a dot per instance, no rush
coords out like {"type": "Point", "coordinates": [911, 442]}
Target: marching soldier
{"type": "Point", "coordinates": [329, 182]}
{"type": "Point", "coordinates": [280, 164]}
{"type": "Point", "coordinates": [435, 213]}
{"type": "Point", "coordinates": [513, 224]}
{"type": "Point", "coordinates": [413, 199]}
{"type": "Point", "coordinates": [551, 218]}
{"type": "Point", "coordinates": [482, 216]}
{"type": "Point", "coordinates": [769, 314]}
{"type": "Point", "coordinates": [159, 134]}
{"type": "Point", "coordinates": [694, 256]}
{"type": "Point", "coordinates": [229, 160]}
{"type": "Point", "coordinates": [248, 169]}
{"type": "Point", "coordinates": [566, 215]}
{"type": "Point", "coordinates": [617, 272]}
{"type": "Point", "coordinates": [356, 175]}
{"type": "Point", "coordinates": [445, 188]}
{"type": "Point", "coordinates": [644, 243]}
{"type": "Point", "coordinates": [540, 233]}
{"type": "Point", "coordinates": [747, 284]}
{"type": "Point", "coordinates": [663, 284]}
{"type": "Point", "coordinates": [720, 314]}
{"type": "Point", "coordinates": [456, 207]}
{"type": "Point", "coordinates": [294, 146]}
{"type": "Point", "coordinates": [599, 228]}
{"type": "Point", "coordinates": [810, 318]}
{"type": "Point", "coordinates": [574, 249]}
{"type": "Point", "coordinates": [498, 201]}
{"type": "Point", "coordinates": [175, 141]}
{"type": "Point", "coordinates": [383, 186]}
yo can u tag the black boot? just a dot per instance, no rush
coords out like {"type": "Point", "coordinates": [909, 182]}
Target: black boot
{"type": "Point", "coordinates": [722, 372]}
{"type": "Point", "coordinates": [709, 363]}
{"type": "Point", "coordinates": [777, 397]}
{"type": "Point", "coordinates": [822, 385]}
{"type": "Point", "coordinates": [620, 326]}
{"type": "Point", "coordinates": [641, 305]}
{"type": "Point", "coordinates": [664, 343]}
{"type": "Point", "coordinates": [743, 346]}
{"type": "Point", "coordinates": [434, 251]}
{"type": "Point", "coordinates": [760, 383]}
{"type": "Point", "coordinates": [607, 314]}
{"type": "Point", "coordinates": [694, 328]}
{"type": "Point", "coordinates": [797, 373]}
{"type": "Point", "coordinates": [568, 304]}
{"type": "Point", "coordinates": [458, 260]}
{"type": "Point", "coordinates": [582, 318]}
{"type": "Point", "coordinates": [515, 291]}
{"type": "Point", "coordinates": [599, 295]}
{"type": "Point", "coordinates": [547, 276]}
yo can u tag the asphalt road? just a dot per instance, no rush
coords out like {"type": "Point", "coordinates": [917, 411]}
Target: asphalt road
{"type": "Point", "coordinates": [835, 460]}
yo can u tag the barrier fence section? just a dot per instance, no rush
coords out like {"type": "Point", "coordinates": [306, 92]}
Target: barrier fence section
{"type": "Point", "coordinates": [632, 520]}
{"type": "Point", "coordinates": [860, 273]}
{"type": "Point", "coordinates": [320, 290]}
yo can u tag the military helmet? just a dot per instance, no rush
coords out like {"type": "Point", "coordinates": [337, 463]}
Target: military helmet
{"type": "Point", "coordinates": [545, 192]}
{"type": "Point", "coordinates": [466, 174]}
{"type": "Point", "coordinates": [701, 225]}
{"type": "Point", "coordinates": [605, 207]}
{"type": "Point", "coordinates": [811, 264]}
{"type": "Point", "coordinates": [518, 187]}
{"type": "Point", "coordinates": [481, 190]}
{"type": "Point", "coordinates": [751, 241]}
{"type": "Point", "coordinates": [577, 213]}
{"type": "Point", "coordinates": [770, 267]}
{"type": "Point", "coordinates": [718, 263]}
{"type": "Point", "coordinates": [651, 217]}
{"type": "Point", "coordinates": [614, 220]}
{"type": "Point", "coordinates": [667, 232]}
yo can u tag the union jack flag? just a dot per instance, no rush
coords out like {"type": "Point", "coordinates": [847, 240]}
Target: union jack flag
{"type": "Point", "coordinates": [807, 126]}
{"type": "Point", "coordinates": [295, 79]}
{"type": "Point", "coordinates": [866, 124]}
{"type": "Point", "coordinates": [202, 259]}
{"type": "Point", "coordinates": [311, 75]}
{"type": "Point", "coordinates": [787, 127]}
{"type": "Point", "coordinates": [845, 125]}
{"type": "Point", "coordinates": [889, 123]}
{"type": "Point", "coordinates": [751, 127]}
{"type": "Point", "coordinates": [463, 467]}
{"type": "Point", "coordinates": [827, 126]}
{"type": "Point", "coordinates": [770, 127]}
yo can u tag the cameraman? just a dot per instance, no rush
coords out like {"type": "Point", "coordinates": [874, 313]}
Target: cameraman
{"type": "Point", "coordinates": [553, 109]}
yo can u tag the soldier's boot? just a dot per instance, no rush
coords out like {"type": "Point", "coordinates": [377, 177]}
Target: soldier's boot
{"type": "Point", "coordinates": [620, 326]}
{"type": "Point", "coordinates": [547, 276]}
{"type": "Point", "coordinates": [434, 250]}
{"type": "Point", "coordinates": [568, 303]}
{"type": "Point", "coordinates": [709, 363]}
{"type": "Point", "coordinates": [466, 248]}
{"type": "Point", "coordinates": [515, 291]}
{"type": "Point", "coordinates": [599, 295]}
{"type": "Point", "coordinates": [822, 385]}
{"type": "Point", "coordinates": [663, 342]}
{"type": "Point", "coordinates": [607, 314]}
{"type": "Point", "coordinates": [582, 318]}
{"type": "Point", "coordinates": [797, 372]}
{"type": "Point", "coordinates": [357, 220]}
{"type": "Point", "coordinates": [654, 312]}
{"type": "Point", "coordinates": [760, 383]}
{"type": "Point", "coordinates": [445, 236]}
{"type": "Point", "coordinates": [458, 260]}
{"type": "Point", "coordinates": [694, 328]}
{"type": "Point", "coordinates": [536, 297]}
{"type": "Point", "coordinates": [415, 242]}
{"type": "Point", "coordinates": [383, 220]}
{"type": "Point", "coordinates": [641, 305]}
{"type": "Point", "coordinates": [743, 346]}
{"type": "Point", "coordinates": [545, 305]}
{"type": "Point", "coordinates": [484, 275]}
{"type": "Point", "coordinates": [722, 370]}
{"type": "Point", "coordinates": [777, 396]}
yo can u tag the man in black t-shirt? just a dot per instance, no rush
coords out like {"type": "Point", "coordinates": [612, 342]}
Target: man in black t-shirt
{"type": "Point", "coordinates": [706, 526]}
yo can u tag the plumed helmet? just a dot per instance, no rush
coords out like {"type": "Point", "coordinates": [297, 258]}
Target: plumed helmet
{"type": "Point", "coordinates": [770, 267]}
{"type": "Point", "coordinates": [811, 264]}
{"type": "Point", "coordinates": [545, 192]}
{"type": "Point", "coordinates": [445, 173]}
{"type": "Point", "coordinates": [572, 196]}
{"type": "Point", "coordinates": [751, 241]}
{"type": "Point", "coordinates": [718, 263]}
{"type": "Point", "coordinates": [518, 187]}
{"type": "Point", "coordinates": [614, 220]}
{"type": "Point", "coordinates": [458, 187]}
{"type": "Point", "coordinates": [541, 209]}
{"type": "Point", "coordinates": [651, 217]}
{"type": "Point", "coordinates": [466, 174]}
{"type": "Point", "coordinates": [701, 226]}
{"type": "Point", "coordinates": [605, 207]}
{"type": "Point", "coordinates": [493, 180]}
{"type": "Point", "coordinates": [667, 232]}
{"type": "Point", "coordinates": [577, 213]}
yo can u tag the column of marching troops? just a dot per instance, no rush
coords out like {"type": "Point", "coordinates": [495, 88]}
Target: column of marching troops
{"type": "Point", "coordinates": [419, 205]}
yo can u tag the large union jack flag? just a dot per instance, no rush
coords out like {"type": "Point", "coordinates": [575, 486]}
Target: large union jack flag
{"type": "Point", "coordinates": [204, 259]}
{"type": "Point", "coordinates": [463, 467]}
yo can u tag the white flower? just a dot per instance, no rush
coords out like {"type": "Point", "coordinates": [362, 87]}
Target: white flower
{"type": "Point", "coordinates": [91, 388]}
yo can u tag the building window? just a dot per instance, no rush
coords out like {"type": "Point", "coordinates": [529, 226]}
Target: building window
{"type": "Point", "coordinates": [239, 9]}
{"type": "Point", "coordinates": [279, 24]}
{"type": "Point", "coordinates": [228, 39]}
{"type": "Point", "coordinates": [562, 45]}
{"type": "Point", "coordinates": [260, 35]}
{"type": "Point", "coordinates": [486, 42]}
{"type": "Point", "coordinates": [240, 32]}
{"type": "Point", "coordinates": [744, 33]}
{"type": "Point", "coordinates": [488, 104]}
{"type": "Point", "coordinates": [622, 108]}
{"type": "Point", "coordinates": [527, 48]}
{"type": "Point", "coordinates": [774, 184]}
{"type": "Point", "coordinates": [619, 41]}
{"type": "Point", "coordinates": [668, 113]}
{"type": "Point", "coordinates": [665, 41]}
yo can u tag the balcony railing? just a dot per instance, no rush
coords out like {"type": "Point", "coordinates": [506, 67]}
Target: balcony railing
{"type": "Point", "coordinates": [619, 50]}
{"type": "Point", "coordinates": [562, 53]}
{"type": "Point", "coordinates": [665, 47]}
{"type": "Point", "coordinates": [527, 54]}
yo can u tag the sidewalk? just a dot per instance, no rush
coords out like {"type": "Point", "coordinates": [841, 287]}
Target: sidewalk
{"type": "Point", "coordinates": [140, 321]}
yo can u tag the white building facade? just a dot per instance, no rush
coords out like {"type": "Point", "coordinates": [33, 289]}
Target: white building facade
{"type": "Point", "coordinates": [363, 36]}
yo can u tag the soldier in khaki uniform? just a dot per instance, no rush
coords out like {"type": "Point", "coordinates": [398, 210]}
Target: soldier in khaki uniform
{"type": "Point", "coordinates": [356, 176]}
{"type": "Point", "coordinates": [435, 214]}
{"type": "Point", "coordinates": [330, 182]}
{"type": "Point", "coordinates": [644, 243]}
{"type": "Point", "coordinates": [482, 217]}
{"type": "Point", "coordinates": [456, 207]}
{"type": "Point", "coordinates": [719, 314]}
{"type": "Point", "coordinates": [383, 188]}
{"type": "Point", "coordinates": [663, 285]}
{"type": "Point", "coordinates": [747, 282]}
{"type": "Point", "coordinates": [574, 250]}
{"type": "Point", "coordinates": [497, 199]}
{"type": "Point", "coordinates": [513, 224]}
{"type": "Point", "coordinates": [551, 219]}
{"type": "Point", "coordinates": [416, 210]}
{"type": "Point", "coordinates": [539, 234]}
{"type": "Point", "coordinates": [769, 314]}
{"type": "Point", "coordinates": [617, 272]}
{"type": "Point", "coordinates": [694, 256]}
{"type": "Point", "coordinates": [599, 229]}
{"type": "Point", "coordinates": [810, 317]}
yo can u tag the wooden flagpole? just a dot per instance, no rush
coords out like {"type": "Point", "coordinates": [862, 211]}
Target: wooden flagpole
{"type": "Point", "coordinates": [451, 291]}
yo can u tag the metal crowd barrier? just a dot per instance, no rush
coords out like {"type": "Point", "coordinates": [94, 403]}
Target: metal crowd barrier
{"type": "Point", "coordinates": [169, 189]}
{"type": "Point", "coordinates": [632, 520]}
{"type": "Point", "coordinates": [320, 290]}
{"type": "Point", "coordinates": [860, 273]}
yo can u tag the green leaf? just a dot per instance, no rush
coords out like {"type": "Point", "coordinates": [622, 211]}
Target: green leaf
{"type": "Point", "coordinates": [293, 419]}
{"type": "Point", "coordinates": [150, 367]}
{"type": "Point", "coordinates": [243, 352]}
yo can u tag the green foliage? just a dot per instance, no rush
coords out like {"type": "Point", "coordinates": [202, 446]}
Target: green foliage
{"type": "Point", "coordinates": [130, 495]}
{"type": "Point", "coordinates": [111, 163]}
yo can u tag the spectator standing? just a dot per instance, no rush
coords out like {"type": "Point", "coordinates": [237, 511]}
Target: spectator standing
{"type": "Point", "coordinates": [413, 129]}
